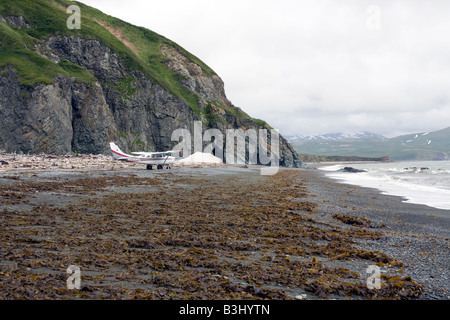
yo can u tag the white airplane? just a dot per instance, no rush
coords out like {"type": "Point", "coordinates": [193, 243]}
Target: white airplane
{"type": "Point", "coordinates": [160, 159]}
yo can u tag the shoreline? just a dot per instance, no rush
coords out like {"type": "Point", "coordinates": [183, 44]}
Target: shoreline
{"type": "Point", "coordinates": [418, 234]}
{"type": "Point", "coordinates": [331, 163]}
{"type": "Point", "coordinates": [140, 234]}
{"type": "Point", "coordinates": [434, 198]}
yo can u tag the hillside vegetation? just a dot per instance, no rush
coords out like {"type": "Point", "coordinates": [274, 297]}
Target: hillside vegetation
{"type": "Point", "coordinates": [141, 49]}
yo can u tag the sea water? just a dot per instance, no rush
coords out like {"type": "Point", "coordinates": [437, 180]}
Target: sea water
{"type": "Point", "coordinates": [420, 182]}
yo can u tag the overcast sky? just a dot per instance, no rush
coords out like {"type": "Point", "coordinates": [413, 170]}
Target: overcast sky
{"type": "Point", "coordinates": [318, 66]}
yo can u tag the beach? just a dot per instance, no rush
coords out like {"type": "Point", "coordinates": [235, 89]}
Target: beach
{"type": "Point", "coordinates": [416, 234]}
{"type": "Point", "coordinates": [213, 232]}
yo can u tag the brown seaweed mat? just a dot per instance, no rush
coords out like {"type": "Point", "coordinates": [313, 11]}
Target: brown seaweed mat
{"type": "Point", "coordinates": [183, 234]}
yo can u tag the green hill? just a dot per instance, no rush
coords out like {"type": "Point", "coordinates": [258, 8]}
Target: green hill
{"type": "Point", "coordinates": [141, 49]}
{"type": "Point", "coordinates": [418, 146]}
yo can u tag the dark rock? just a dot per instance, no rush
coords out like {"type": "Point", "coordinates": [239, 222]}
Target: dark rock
{"type": "Point", "coordinates": [416, 169]}
{"type": "Point", "coordinates": [54, 118]}
{"type": "Point", "coordinates": [17, 22]}
{"type": "Point", "coordinates": [352, 170]}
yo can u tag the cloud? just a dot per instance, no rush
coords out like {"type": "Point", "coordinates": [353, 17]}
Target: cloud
{"type": "Point", "coordinates": [316, 66]}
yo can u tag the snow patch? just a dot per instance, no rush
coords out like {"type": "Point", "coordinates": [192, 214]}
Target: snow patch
{"type": "Point", "coordinates": [199, 158]}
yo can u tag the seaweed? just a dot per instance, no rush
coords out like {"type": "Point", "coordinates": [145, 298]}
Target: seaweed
{"type": "Point", "coordinates": [233, 238]}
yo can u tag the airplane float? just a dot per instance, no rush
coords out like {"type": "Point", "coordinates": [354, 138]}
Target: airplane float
{"type": "Point", "coordinates": [162, 160]}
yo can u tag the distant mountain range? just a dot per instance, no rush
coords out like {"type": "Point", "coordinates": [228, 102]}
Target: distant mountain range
{"type": "Point", "coordinates": [416, 146]}
{"type": "Point", "coordinates": [336, 136]}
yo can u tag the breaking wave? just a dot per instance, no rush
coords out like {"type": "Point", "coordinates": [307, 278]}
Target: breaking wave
{"type": "Point", "coordinates": [424, 182]}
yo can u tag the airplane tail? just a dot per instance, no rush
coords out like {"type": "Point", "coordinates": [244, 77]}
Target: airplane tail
{"type": "Point", "coordinates": [116, 152]}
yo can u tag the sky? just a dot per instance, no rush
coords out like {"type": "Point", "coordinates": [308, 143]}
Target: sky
{"type": "Point", "coordinates": [317, 66]}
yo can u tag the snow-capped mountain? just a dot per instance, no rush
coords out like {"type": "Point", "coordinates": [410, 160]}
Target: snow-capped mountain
{"type": "Point", "coordinates": [433, 145]}
{"type": "Point", "coordinates": [336, 136]}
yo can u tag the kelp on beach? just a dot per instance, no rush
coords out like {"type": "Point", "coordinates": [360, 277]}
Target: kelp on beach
{"type": "Point", "coordinates": [184, 236]}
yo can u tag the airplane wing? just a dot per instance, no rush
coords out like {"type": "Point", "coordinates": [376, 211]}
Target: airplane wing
{"type": "Point", "coordinates": [154, 153]}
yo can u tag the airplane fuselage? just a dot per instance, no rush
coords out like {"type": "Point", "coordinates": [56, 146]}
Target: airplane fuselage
{"type": "Point", "coordinates": [157, 158]}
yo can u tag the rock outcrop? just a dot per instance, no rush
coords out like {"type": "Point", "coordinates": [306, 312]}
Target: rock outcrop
{"type": "Point", "coordinates": [57, 118]}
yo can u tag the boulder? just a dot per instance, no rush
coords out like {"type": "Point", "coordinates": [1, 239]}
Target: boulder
{"type": "Point", "coordinates": [351, 170]}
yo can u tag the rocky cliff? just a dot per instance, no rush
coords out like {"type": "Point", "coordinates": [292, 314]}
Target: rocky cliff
{"type": "Point", "coordinates": [65, 91]}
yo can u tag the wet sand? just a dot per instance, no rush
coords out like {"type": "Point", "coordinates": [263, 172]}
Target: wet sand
{"type": "Point", "coordinates": [214, 233]}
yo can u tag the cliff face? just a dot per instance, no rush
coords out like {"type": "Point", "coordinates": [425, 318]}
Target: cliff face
{"type": "Point", "coordinates": [55, 118]}
{"type": "Point", "coordinates": [100, 96]}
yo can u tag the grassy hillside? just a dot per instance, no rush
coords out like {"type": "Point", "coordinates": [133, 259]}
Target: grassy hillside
{"type": "Point", "coordinates": [138, 47]}
{"type": "Point", "coordinates": [15, 48]}
{"type": "Point", "coordinates": [420, 146]}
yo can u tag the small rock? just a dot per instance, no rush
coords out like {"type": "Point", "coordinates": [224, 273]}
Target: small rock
{"type": "Point", "coordinates": [350, 169]}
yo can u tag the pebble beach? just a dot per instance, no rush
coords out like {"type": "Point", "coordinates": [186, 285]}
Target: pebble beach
{"type": "Point", "coordinates": [210, 231]}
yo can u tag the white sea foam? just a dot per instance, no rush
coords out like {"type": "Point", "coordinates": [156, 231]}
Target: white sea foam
{"type": "Point", "coordinates": [425, 182]}
{"type": "Point", "coordinates": [332, 168]}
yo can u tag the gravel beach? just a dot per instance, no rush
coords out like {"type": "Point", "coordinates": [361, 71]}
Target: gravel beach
{"type": "Point", "coordinates": [214, 233]}
{"type": "Point", "coordinates": [418, 235]}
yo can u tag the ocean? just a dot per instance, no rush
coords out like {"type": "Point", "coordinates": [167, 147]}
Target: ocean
{"type": "Point", "coordinates": [420, 182]}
